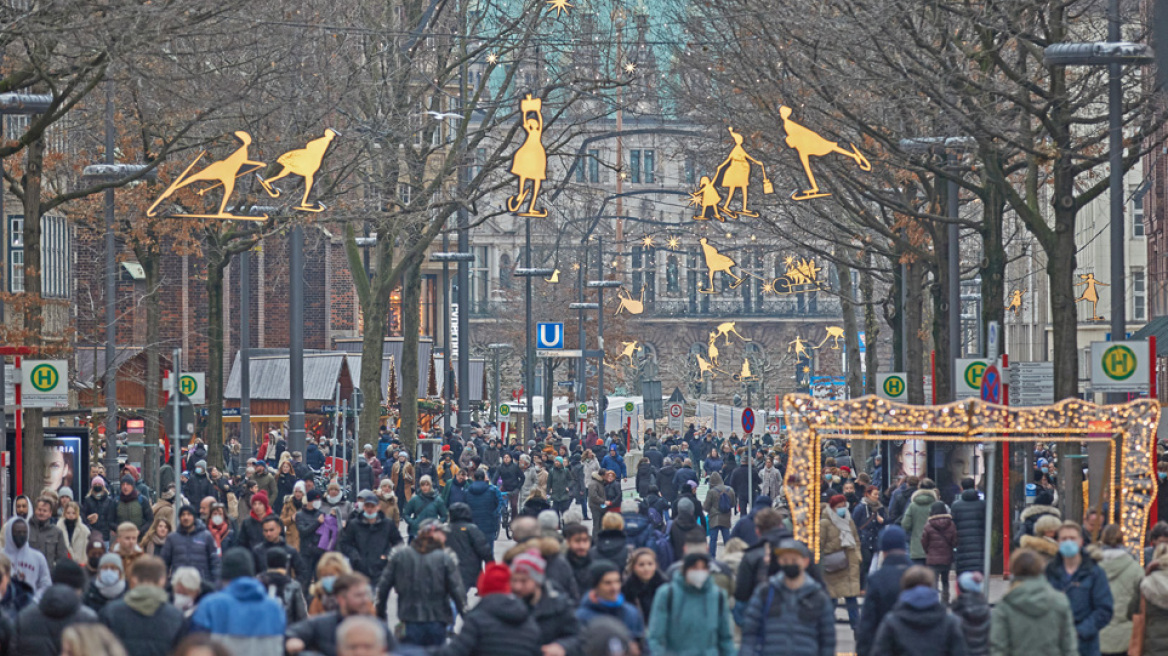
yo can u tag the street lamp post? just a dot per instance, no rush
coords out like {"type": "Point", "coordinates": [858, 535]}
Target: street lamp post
{"type": "Point", "coordinates": [111, 171]}
{"type": "Point", "coordinates": [581, 368]}
{"type": "Point", "coordinates": [529, 361]}
{"type": "Point", "coordinates": [495, 348]}
{"type": "Point", "coordinates": [462, 258]}
{"type": "Point", "coordinates": [600, 286]}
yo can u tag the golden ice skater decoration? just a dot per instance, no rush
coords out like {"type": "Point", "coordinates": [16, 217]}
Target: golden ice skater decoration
{"type": "Point", "coordinates": [1015, 304]}
{"type": "Point", "coordinates": [809, 144]}
{"type": "Point", "coordinates": [1090, 293]}
{"type": "Point", "coordinates": [835, 334]}
{"type": "Point", "coordinates": [717, 262]}
{"type": "Point", "coordinates": [304, 162]}
{"type": "Point", "coordinates": [530, 161]}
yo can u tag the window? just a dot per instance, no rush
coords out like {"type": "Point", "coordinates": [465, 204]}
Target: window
{"type": "Point", "coordinates": [1139, 296]}
{"type": "Point", "coordinates": [1138, 216]}
{"type": "Point", "coordinates": [403, 193]}
{"type": "Point", "coordinates": [634, 165]}
{"type": "Point", "coordinates": [16, 232]}
{"type": "Point", "coordinates": [690, 171]}
{"type": "Point", "coordinates": [479, 281]}
{"type": "Point", "coordinates": [672, 274]}
{"type": "Point", "coordinates": [56, 256]}
{"type": "Point", "coordinates": [594, 166]}
{"type": "Point", "coordinates": [649, 159]}
{"type": "Point", "coordinates": [16, 271]}
{"type": "Point", "coordinates": [580, 166]}
{"type": "Point", "coordinates": [476, 167]}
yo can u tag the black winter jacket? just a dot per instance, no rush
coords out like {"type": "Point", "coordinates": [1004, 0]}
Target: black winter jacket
{"type": "Point", "coordinates": [665, 482]}
{"type": "Point", "coordinates": [367, 546]}
{"type": "Point", "coordinates": [194, 547]}
{"type": "Point", "coordinates": [91, 505]}
{"type": "Point", "coordinates": [37, 629]}
{"type": "Point", "coordinates": [612, 546]}
{"type": "Point", "coordinates": [974, 612]}
{"type": "Point", "coordinates": [199, 487]}
{"type": "Point", "coordinates": [511, 476]}
{"type": "Point", "coordinates": [426, 579]}
{"type": "Point", "coordinates": [320, 634]}
{"type": "Point", "coordinates": [919, 631]}
{"type": "Point", "coordinates": [144, 635]}
{"type": "Point", "coordinates": [500, 625]}
{"type": "Point", "coordinates": [879, 598]}
{"type": "Point", "coordinates": [754, 568]}
{"type": "Point", "coordinates": [555, 614]}
{"type": "Point", "coordinates": [469, 544]}
{"type": "Point", "coordinates": [969, 513]}
{"type": "Point", "coordinates": [306, 525]}
{"type": "Point", "coordinates": [296, 566]}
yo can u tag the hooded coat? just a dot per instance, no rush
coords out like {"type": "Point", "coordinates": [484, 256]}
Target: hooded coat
{"type": "Point", "coordinates": [1154, 597]}
{"type": "Point", "coordinates": [974, 612]}
{"type": "Point", "coordinates": [1089, 594]}
{"type": "Point", "coordinates": [612, 546]}
{"type": "Point", "coordinates": [500, 625]}
{"type": "Point", "coordinates": [684, 529]}
{"type": "Point", "coordinates": [916, 515]}
{"type": "Point", "coordinates": [969, 514]}
{"type": "Point", "coordinates": [784, 622]}
{"type": "Point", "coordinates": [367, 546]}
{"type": "Point", "coordinates": [467, 542]}
{"type": "Point", "coordinates": [939, 539]}
{"type": "Point", "coordinates": [143, 620]}
{"type": "Point", "coordinates": [485, 501]}
{"type": "Point", "coordinates": [28, 564]}
{"type": "Point", "coordinates": [718, 519]}
{"type": "Point", "coordinates": [243, 618]}
{"type": "Point", "coordinates": [559, 484]}
{"type": "Point", "coordinates": [1123, 575]}
{"type": "Point", "coordinates": [920, 626]}
{"type": "Point", "coordinates": [426, 578]}
{"type": "Point", "coordinates": [689, 621]}
{"type": "Point", "coordinates": [1031, 514]}
{"type": "Point", "coordinates": [844, 582]}
{"type": "Point", "coordinates": [37, 629]}
{"type": "Point", "coordinates": [1033, 619]}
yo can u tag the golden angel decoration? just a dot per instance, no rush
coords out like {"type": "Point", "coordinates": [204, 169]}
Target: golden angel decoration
{"type": "Point", "coordinates": [529, 163]}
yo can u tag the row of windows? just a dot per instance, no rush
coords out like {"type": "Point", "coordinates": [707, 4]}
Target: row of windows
{"type": "Point", "coordinates": [640, 169]}
{"type": "Point", "coordinates": [56, 263]}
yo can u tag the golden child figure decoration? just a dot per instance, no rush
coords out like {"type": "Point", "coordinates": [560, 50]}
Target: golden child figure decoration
{"type": "Point", "coordinates": [809, 144]}
{"type": "Point", "coordinates": [529, 163]}
{"type": "Point", "coordinates": [799, 347]}
{"type": "Point", "coordinates": [304, 162]}
{"type": "Point", "coordinates": [1015, 304]}
{"type": "Point", "coordinates": [733, 174]}
{"type": "Point", "coordinates": [222, 173]}
{"type": "Point", "coordinates": [1090, 293]}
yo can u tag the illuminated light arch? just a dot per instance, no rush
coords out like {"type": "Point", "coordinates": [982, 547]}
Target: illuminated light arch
{"type": "Point", "coordinates": [810, 421]}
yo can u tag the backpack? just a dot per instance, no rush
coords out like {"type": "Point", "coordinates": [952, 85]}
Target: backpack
{"type": "Point", "coordinates": [660, 543]}
{"type": "Point", "coordinates": [725, 503]}
{"type": "Point", "coordinates": [287, 599]}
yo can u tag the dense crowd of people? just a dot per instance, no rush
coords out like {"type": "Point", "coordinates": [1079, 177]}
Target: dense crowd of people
{"type": "Point", "coordinates": [683, 546]}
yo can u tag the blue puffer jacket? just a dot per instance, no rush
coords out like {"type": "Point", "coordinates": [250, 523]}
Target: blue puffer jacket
{"type": "Point", "coordinates": [795, 622]}
{"type": "Point", "coordinates": [622, 611]}
{"type": "Point", "coordinates": [242, 617]}
{"type": "Point", "coordinates": [314, 457]}
{"type": "Point", "coordinates": [1090, 596]}
{"type": "Point", "coordinates": [613, 462]}
{"type": "Point", "coordinates": [194, 547]}
{"type": "Point", "coordinates": [484, 500]}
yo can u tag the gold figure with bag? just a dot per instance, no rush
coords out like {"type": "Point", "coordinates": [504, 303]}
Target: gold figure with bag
{"type": "Point", "coordinates": [529, 162]}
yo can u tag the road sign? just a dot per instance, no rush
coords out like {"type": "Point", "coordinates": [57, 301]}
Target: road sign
{"type": "Point", "coordinates": [504, 410]}
{"type": "Point", "coordinates": [46, 383]}
{"type": "Point", "coordinates": [991, 384]}
{"type": "Point", "coordinates": [565, 383]}
{"type": "Point", "coordinates": [892, 386]}
{"type": "Point", "coordinates": [135, 426]}
{"type": "Point", "coordinates": [967, 374]}
{"type": "Point", "coordinates": [773, 428]}
{"type": "Point", "coordinates": [358, 402]}
{"type": "Point", "coordinates": [191, 384]}
{"type": "Point", "coordinates": [582, 409]}
{"type": "Point", "coordinates": [993, 337]}
{"type": "Point", "coordinates": [1120, 366]}
{"type": "Point", "coordinates": [1031, 383]}
{"type": "Point", "coordinates": [630, 406]}
{"type": "Point", "coordinates": [559, 353]}
{"type": "Point", "coordinates": [676, 416]}
{"type": "Point", "coordinates": [747, 420]}
{"type": "Point", "coordinates": [549, 336]}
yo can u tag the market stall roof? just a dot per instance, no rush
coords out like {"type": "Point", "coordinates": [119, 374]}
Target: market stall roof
{"type": "Point", "coordinates": [85, 356]}
{"type": "Point", "coordinates": [1157, 327]}
{"type": "Point", "coordinates": [269, 374]}
{"type": "Point", "coordinates": [476, 376]}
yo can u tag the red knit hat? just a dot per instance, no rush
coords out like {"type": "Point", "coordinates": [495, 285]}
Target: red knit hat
{"type": "Point", "coordinates": [445, 447]}
{"type": "Point", "coordinates": [495, 579]}
{"type": "Point", "coordinates": [837, 500]}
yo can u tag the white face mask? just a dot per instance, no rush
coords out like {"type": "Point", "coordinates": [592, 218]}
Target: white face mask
{"type": "Point", "coordinates": [316, 504]}
{"type": "Point", "coordinates": [217, 520]}
{"type": "Point", "coordinates": [183, 602]}
{"type": "Point", "coordinates": [697, 577]}
{"type": "Point", "coordinates": [334, 498]}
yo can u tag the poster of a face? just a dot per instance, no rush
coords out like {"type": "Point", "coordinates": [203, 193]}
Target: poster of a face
{"type": "Point", "coordinates": [62, 462]}
{"type": "Point", "coordinates": [913, 458]}
{"type": "Point", "coordinates": [954, 464]}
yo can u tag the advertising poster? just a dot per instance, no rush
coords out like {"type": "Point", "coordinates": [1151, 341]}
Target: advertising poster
{"type": "Point", "coordinates": [63, 463]}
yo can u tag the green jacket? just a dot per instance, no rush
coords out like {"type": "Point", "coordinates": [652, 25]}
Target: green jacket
{"type": "Point", "coordinates": [914, 520]}
{"type": "Point", "coordinates": [1123, 576]}
{"type": "Point", "coordinates": [1033, 619]}
{"type": "Point", "coordinates": [421, 507]}
{"type": "Point", "coordinates": [688, 621]}
{"type": "Point", "coordinates": [559, 484]}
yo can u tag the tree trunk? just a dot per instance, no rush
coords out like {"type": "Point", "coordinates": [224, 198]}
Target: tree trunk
{"type": "Point", "coordinates": [214, 434]}
{"type": "Point", "coordinates": [847, 295]}
{"type": "Point", "coordinates": [914, 346]}
{"type": "Point", "coordinates": [150, 261]}
{"type": "Point", "coordinates": [993, 264]}
{"type": "Point", "coordinates": [894, 318]}
{"type": "Point", "coordinates": [871, 328]}
{"type": "Point", "coordinates": [374, 312]}
{"type": "Point", "coordinates": [943, 375]}
{"type": "Point", "coordinates": [33, 454]}
{"type": "Point", "coordinates": [411, 296]}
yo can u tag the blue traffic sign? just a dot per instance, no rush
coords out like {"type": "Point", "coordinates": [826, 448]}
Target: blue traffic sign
{"type": "Point", "coordinates": [549, 336]}
{"type": "Point", "coordinates": [747, 420]}
{"type": "Point", "coordinates": [991, 385]}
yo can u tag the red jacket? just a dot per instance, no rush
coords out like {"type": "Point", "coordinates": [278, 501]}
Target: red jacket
{"type": "Point", "coordinates": [939, 540]}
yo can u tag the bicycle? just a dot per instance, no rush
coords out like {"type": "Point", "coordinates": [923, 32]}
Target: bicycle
{"type": "Point", "coordinates": [505, 514]}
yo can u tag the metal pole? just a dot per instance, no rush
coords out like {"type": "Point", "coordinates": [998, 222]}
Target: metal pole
{"type": "Point", "coordinates": [463, 266]}
{"type": "Point", "coordinates": [111, 304]}
{"type": "Point", "coordinates": [296, 437]}
{"type": "Point", "coordinates": [600, 405]}
{"type": "Point", "coordinates": [954, 239]}
{"type": "Point", "coordinates": [495, 405]}
{"type": "Point", "coordinates": [582, 365]}
{"type": "Point", "coordinates": [529, 363]}
{"type": "Point", "coordinates": [988, 450]}
{"type": "Point", "coordinates": [446, 333]}
{"type": "Point", "coordinates": [1115, 188]}
{"type": "Point", "coordinates": [344, 440]}
{"type": "Point", "coordinates": [357, 454]}
{"type": "Point", "coordinates": [336, 414]}
{"type": "Point", "coordinates": [245, 438]}
{"type": "Point", "coordinates": [176, 435]}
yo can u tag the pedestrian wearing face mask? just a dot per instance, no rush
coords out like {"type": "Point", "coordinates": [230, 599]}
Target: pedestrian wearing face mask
{"type": "Point", "coordinates": [95, 507]}
{"type": "Point", "coordinates": [368, 538]}
{"type": "Point", "coordinates": [790, 614]}
{"type": "Point", "coordinates": [308, 520]}
{"type": "Point", "coordinates": [335, 503]}
{"type": "Point", "coordinates": [1085, 583]}
{"type": "Point", "coordinates": [220, 528]}
{"type": "Point", "coordinates": [199, 485]}
{"type": "Point", "coordinates": [109, 585]}
{"type": "Point", "coordinates": [28, 564]}
{"type": "Point", "coordinates": [191, 545]}
{"type": "Point", "coordinates": [691, 615]}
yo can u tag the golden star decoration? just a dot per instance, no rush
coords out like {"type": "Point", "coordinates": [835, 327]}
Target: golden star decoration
{"type": "Point", "coordinates": [630, 67]}
{"type": "Point", "coordinates": [674, 242]}
{"type": "Point", "coordinates": [560, 6]}
{"type": "Point", "coordinates": [492, 58]}
{"type": "Point", "coordinates": [647, 241]}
